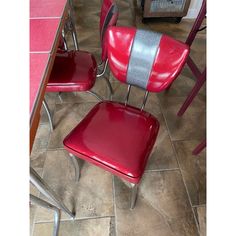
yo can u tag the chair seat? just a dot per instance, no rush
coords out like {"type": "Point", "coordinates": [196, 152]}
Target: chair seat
{"type": "Point", "coordinates": [116, 137]}
{"type": "Point", "coordinates": [72, 71]}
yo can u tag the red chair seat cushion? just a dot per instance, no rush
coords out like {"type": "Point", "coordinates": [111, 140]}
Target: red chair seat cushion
{"type": "Point", "coordinates": [116, 137]}
{"type": "Point", "coordinates": [72, 71]}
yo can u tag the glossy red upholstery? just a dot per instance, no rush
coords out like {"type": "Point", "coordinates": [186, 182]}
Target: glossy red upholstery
{"type": "Point", "coordinates": [72, 71]}
{"type": "Point", "coordinates": [76, 71]}
{"type": "Point", "coordinates": [169, 60]}
{"type": "Point", "coordinates": [116, 137]}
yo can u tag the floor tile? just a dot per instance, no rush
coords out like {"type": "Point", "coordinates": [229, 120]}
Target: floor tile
{"type": "Point", "coordinates": [192, 125]}
{"type": "Point", "coordinates": [182, 86]}
{"type": "Point", "coordinates": [162, 156]}
{"type": "Point", "coordinates": [193, 169]}
{"type": "Point", "coordinates": [91, 196]}
{"type": "Point", "coordinates": [31, 219]}
{"type": "Point", "coordinates": [200, 213]}
{"type": "Point", "coordinates": [89, 227]}
{"type": "Point", "coordinates": [162, 207]}
{"type": "Point", "coordinates": [41, 139]}
{"type": "Point", "coordinates": [66, 117]}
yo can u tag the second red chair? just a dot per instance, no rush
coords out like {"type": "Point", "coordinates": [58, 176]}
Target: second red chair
{"type": "Point", "coordinates": [76, 71]}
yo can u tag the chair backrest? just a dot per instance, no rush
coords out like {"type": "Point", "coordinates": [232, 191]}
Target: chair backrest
{"type": "Point", "coordinates": [108, 17]}
{"type": "Point", "coordinates": [144, 58]}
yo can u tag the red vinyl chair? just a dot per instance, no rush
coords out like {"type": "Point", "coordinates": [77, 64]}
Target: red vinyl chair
{"type": "Point", "coordinates": [76, 71]}
{"type": "Point", "coordinates": [116, 136]}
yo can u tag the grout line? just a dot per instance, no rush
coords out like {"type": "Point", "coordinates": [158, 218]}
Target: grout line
{"type": "Point", "coordinates": [55, 149]}
{"type": "Point", "coordinates": [113, 192]}
{"type": "Point", "coordinates": [76, 219]}
{"type": "Point", "coordinates": [175, 152]}
{"type": "Point", "coordinates": [185, 140]}
{"type": "Point", "coordinates": [33, 223]}
{"type": "Point", "coordinates": [200, 205]}
{"type": "Point", "coordinates": [160, 170]}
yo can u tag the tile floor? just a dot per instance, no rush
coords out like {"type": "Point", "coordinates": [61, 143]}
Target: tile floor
{"type": "Point", "coordinates": [172, 195]}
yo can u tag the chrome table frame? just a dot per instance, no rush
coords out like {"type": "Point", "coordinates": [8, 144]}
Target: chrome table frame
{"type": "Point", "coordinates": [44, 188]}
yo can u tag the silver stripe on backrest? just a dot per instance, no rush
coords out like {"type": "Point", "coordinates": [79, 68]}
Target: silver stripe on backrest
{"type": "Point", "coordinates": [111, 12]}
{"type": "Point", "coordinates": [143, 52]}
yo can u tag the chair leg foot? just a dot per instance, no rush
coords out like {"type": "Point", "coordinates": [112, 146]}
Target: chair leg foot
{"type": "Point", "coordinates": [134, 191]}
{"type": "Point", "coordinates": [45, 105]}
{"type": "Point", "coordinates": [76, 166]}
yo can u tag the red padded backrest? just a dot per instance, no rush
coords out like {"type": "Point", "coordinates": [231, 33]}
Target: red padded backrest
{"type": "Point", "coordinates": [143, 58]}
{"type": "Point", "coordinates": [108, 17]}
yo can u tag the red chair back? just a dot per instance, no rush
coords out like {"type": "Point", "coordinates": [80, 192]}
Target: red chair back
{"type": "Point", "coordinates": [143, 58]}
{"type": "Point", "coordinates": [108, 17]}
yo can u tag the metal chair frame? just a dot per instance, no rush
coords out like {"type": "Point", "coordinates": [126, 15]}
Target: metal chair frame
{"type": "Point", "coordinates": [200, 76]}
{"type": "Point", "coordinates": [40, 202]}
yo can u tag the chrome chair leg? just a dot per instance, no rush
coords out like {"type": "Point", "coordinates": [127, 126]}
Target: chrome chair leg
{"type": "Point", "coordinates": [45, 105]}
{"type": "Point", "coordinates": [134, 191]}
{"type": "Point", "coordinates": [43, 188]}
{"type": "Point", "coordinates": [56, 223]}
{"type": "Point", "coordinates": [38, 201]}
{"type": "Point", "coordinates": [95, 95]}
{"type": "Point", "coordinates": [75, 40]}
{"type": "Point", "coordinates": [59, 95]}
{"type": "Point", "coordinates": [64, 40]}
{"type": "Point", "coordinates": [100, 64]}
{"type": "Point", "coordinates": [76, 166]}
{"type": "Point", "coordinates": [110, 87]}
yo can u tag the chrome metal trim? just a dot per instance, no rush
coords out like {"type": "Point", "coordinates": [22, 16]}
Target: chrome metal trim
{"type": "Point", "coordinates": [45, 105]}
{"type": "Point", "coordinates": [103, 71]}
{"type": "Point", "coordinates": [40, 202]}
{"type": "Point", "coordinates": [59, 95]}
{"type": "Point", "coordinates": [144, 100]}
{"type": "Point", "coordinates": [64, 40]}
{"type": "Point", "coordinates": [44, 188]}
{"type": "Point", "coordinates": [134, 191]}
{"type": "Point", "coordinates": [76, 165]}
{"type": "Point", "coordinates": [127, 95]}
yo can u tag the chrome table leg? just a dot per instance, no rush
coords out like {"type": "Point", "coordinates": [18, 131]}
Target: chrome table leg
{"type": "Point", "coordinates": [43, 188]}
{"type": "Point", "coordinates": [45, 105]}
{"type": "Point", "coordinates": [38, 201]}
